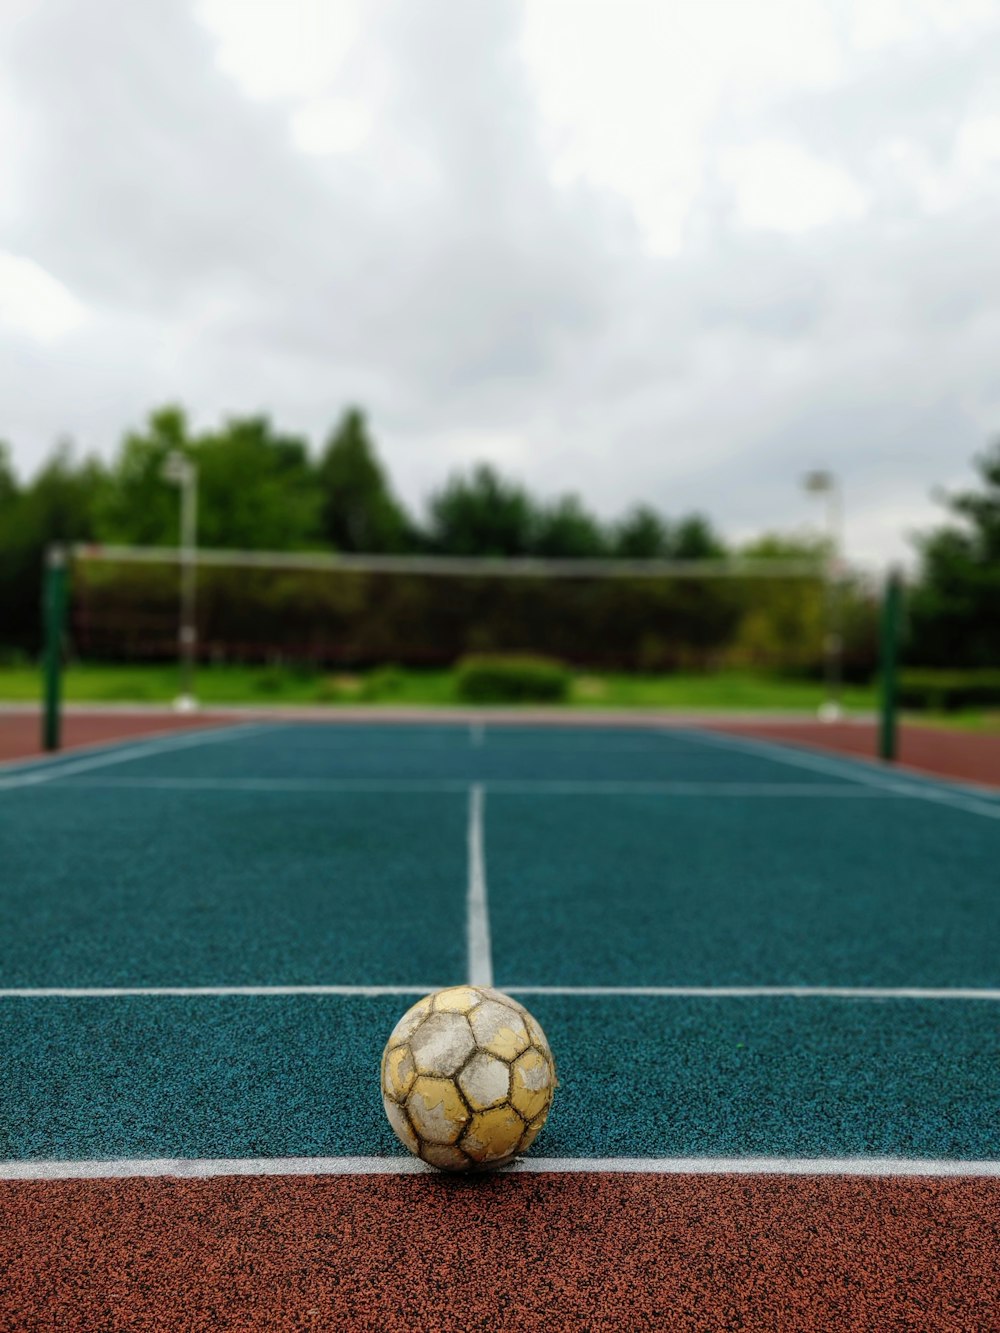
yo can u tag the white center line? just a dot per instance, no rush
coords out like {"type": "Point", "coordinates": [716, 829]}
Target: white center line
{"type": "Point", "coordinates": [876, 993]}
{"type": "Point", "coordinates": [208, 1167]}
{"type": "Point", "coordinates": [480, 951]}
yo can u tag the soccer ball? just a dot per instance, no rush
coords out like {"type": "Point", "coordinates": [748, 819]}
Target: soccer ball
{"type": "Point", "coordinates": [467, 1078]}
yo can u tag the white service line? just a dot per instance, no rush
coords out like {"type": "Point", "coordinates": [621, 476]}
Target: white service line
{"type": "Point", "coordinates": [194, 992]}
{"type": "Point", "coordinates": [480, 950]}
{"type": "Point", "coordinates": [475, 734]}
{"type": "Point", "coordinates": [856, 772]}
{"type": "Point", "coordinates": [503, 787]}
{"type": "Point", "coordinates": [208, 1167]}
{"type": "Point", "coordinates": [128, 752]}
{"type": "Point", "coordinates": [404, 786]}
{"type": "Point", "coordinates": [878, 993]}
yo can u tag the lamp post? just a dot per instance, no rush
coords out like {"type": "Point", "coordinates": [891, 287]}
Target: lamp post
{"type": "Point", "coordinates": [822, 482]}
{"type": "Point", "coordinates": [183, 472]}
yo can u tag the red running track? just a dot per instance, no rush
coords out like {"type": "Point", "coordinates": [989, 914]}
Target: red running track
{"type": "Point", "coordinates": [969, 756]}
{"type": "Point", "coordinates": [20, 733]}
{"type": "Point", "coordinates": [594, 1252]}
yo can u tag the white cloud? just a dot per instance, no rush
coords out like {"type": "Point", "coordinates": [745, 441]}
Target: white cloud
{"type": "Point", "coordinates": [781, 186]}
{"type": "Point", "coordinates": [637, 249]}
{"type": "Point", "coordinates": [277, 49]}
{"type": "Point", "coordinates": [330, 125]}
{"type": "Point", "coordinates": [630, 92]}
{"type": "Point", "coordinates": [33, 302]}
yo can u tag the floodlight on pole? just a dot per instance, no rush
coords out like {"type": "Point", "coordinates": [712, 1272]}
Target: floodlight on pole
{"type": "Point", "coordinates": [183, 472]}
{"type": "Point", "coordinates": [822, 482]}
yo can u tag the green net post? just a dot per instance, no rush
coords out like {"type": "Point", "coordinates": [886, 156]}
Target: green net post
{"type": "Point", "coordinates": [891, 616]}
{"type": "Point", "coordinates": [54, 608]}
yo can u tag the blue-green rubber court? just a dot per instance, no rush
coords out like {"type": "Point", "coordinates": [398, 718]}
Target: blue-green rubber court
{"type": "Point", "coordinates": [738, 950]}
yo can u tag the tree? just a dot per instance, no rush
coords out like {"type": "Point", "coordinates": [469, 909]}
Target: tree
{"type": "Point", "coordinates": [359, 511]}
{"type": "Point", "coordinates": [694, 538]}
{"type": "Point", "coordinates": [139, 506]}
{"type": "Point", "coordinates": [481, 514]}
{"type": "Point", "coordinates": [642, 535]}
{"type": "Point", "coordinates": [58, 505]}
{"type": "Point", "coordinates": [955, 606]}
{"type": "Point", "coordinates": [257, 489]}
{"type": "Point", "coordinates": [9, 488]}
{"type": "Point", "coordinates": [565, 531]}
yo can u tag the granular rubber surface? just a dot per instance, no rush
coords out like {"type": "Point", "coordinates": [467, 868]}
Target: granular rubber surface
{"type": "Point", "coordinates": [503, 1254]}
{"type": "Point", "coordinates": [945, 752]}
{"type": "Point", "coordinates": [738, 951]}
{"type": "Point", "coordinates": [648, 1076]}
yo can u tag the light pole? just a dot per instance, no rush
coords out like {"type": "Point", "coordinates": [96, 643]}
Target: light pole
{"type": "Point", "coordinates": [183, 472]}
{"type": "Point", "coordinates": [822, 482]}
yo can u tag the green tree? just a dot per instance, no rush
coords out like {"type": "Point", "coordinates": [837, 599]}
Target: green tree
{"type": "Point", "coordinates": [481, 514]}
{"type": "Point", "coordinates": [139, 506]}
{"type": "Point", "coordinates": [783, 619]}
{"type": "Point", "coordinates": [642, 535]}
{"type": "Point", "coordinates": [359, 511]}
{"type": "Point", "coordinates": [9, 489]}
{"type": "Point", "coordinates": [58, 505]}
{"type": "Point", "coordinates": [694, 538]}
{"type": "Point", "coordinates": [566, 531]}
{"type": "Point", "coordinates": [257, 489]}
{"type": "Point", "coordinates": [955, 605]}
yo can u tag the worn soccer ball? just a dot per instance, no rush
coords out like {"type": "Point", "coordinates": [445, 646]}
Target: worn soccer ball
{"type": "Point", "coordinates": [467, 1078]}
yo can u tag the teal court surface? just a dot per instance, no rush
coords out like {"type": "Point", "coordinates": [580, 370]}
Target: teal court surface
{"type": "Point", "coordinates": [748, 959]}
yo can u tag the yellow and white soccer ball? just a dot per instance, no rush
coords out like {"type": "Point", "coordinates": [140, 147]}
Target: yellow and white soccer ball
{"type": "Point", "coordinates": [467, 1078]}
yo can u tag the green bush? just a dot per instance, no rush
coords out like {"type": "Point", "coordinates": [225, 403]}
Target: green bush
{"type": "Point", "coordinates": [508, 680]}
{"type": "Point", "coordinates": [383, 683]}
{"type": "Point", "coordinates": [948, 691]}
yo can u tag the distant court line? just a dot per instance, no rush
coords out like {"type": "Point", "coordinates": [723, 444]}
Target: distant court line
{"type": "Point", "coordinates": [126, 753]}
{"type": "Point", "coordinates": [206, 1168]}
{"type": "Point", "coordinates": [854, 772]}
{"type": "Point", "coordinates": [883, 993]}
{"type": "Point", "coordinates": [480, 949]}
{"type": "Point", "coordinates": [500, 786]}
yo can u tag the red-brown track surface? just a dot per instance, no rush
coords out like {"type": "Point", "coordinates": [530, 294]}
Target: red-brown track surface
{"type": "Point", "coordinates": [20, 732]}
{"type": "Point", "coordinates": [967, 756]}
{"type": "Point", "coordinates": [551, 1252]}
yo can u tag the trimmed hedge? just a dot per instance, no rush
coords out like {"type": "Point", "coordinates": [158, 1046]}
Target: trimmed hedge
{"type": "Point", "coordinates": [509, 680]}
{"type": "Point", "coordinates": [948, 691]}
{"type": "Point", "coordinates": [354, 620]}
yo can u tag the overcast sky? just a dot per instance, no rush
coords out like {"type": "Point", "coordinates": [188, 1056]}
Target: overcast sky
{"type": "Point", "coordinates": [637, 249]}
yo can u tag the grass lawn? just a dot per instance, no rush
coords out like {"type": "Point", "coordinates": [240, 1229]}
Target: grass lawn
{"type": "Point", "coordinates": [158, 684]}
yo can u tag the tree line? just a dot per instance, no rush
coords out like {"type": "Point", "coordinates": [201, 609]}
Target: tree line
{"type": "Point", "coordinates": [264, 489]}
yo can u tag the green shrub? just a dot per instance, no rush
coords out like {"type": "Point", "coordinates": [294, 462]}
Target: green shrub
{"type": "Point", "coordinates": [508, 680]}
{"type": "Point", "coordinates": [948, 691]}
{"type": "Point", "coordinates": [383, 683]}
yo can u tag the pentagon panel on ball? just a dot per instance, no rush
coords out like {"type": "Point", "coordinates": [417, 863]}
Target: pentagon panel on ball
{"type": "Point", "coordinates": [467, 1078]}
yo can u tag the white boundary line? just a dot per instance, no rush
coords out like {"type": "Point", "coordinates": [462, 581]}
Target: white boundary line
{"type": "Point", "coordinates": [857, 773]}
{"type": "Point", "coordinates": [480, 950]}
{"type": "Point", "coordinates": [209, 1167]}
{"type": "Point", "coordinates": [13, 767]}
{"type": "Point", "coordinates": [878, 993]}
{"type": "Point", "coordinates": [186, 740]}
{"type": "Point", "coordinates": [500, 786]}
